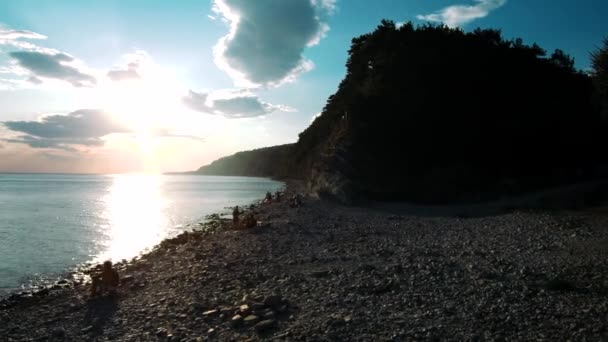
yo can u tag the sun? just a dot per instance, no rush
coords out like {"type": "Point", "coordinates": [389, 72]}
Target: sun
{"type": "Point", "coordinates": [146, 106]}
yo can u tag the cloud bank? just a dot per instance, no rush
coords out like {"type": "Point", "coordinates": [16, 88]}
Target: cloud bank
{"type": "Point", "coordinates": [236, 105]}
{"type": "Point", "coordinates": [458, 15]}
{"type": "Point", "coordinates": [267, 38]}
{"type": "Point", "coordinates": [84, 127]}
{"type": "Point", "coordinates": [53, 65]}
{"type": "Point", "coordinates": [32, 63]}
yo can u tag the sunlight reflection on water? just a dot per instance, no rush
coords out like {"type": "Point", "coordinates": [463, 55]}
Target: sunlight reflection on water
{"type": "Point", "coordinates": [135, 210]}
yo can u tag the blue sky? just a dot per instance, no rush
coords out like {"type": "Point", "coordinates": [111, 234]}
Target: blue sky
{"type": "Point", "coordinates": [129, 86]}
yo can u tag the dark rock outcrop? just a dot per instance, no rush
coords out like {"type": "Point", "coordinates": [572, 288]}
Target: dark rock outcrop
{"type": "Point", "coordinates": [435, 115]}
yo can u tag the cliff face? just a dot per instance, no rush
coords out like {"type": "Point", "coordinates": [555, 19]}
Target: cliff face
{"type": "Point", "coordinates": [435, 115]}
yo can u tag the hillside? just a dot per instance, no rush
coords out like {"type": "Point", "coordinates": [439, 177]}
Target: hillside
{"type": "Point", "coordinates": [435, 115]}
{"type": "Point", "coordinates": [264, 162]}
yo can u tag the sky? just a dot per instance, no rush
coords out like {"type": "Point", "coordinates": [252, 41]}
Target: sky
{"type": "Point", "coordinates": [121, 86]}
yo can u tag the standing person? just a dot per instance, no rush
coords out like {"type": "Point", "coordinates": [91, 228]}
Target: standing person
{"type": "Point", "coordinates": [106, 281]}
{"type": "Point", "coordinates": [235, 217]}
{"type": "Point", "coordinates": [278, 196]}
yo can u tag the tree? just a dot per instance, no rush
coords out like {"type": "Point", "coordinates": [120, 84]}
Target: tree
{"type": "Point", "coordinates": [560, 58]}
{"type": "Point", "coordinates": [599, 72]}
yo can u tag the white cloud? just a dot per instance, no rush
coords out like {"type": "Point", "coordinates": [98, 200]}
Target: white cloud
{"type": "Point", "coordinates": [84, 127]}
{"type": "Point", "coordinates": [232, 104]}
{"type": "Point", "coordinates": [59, 66]}
{"type": "Point", "coordinates": [267, 38]}
{"type": "Point", "coordinates": [10, 34]}
{"type": "Point", "coordinates": [458, 15]}
{"type": "Point", "coordinates": [329, 5]}
{"type": "Point", "coordinates": [32, 64]}
{"type": "Point", "coordinates": [14, 38]}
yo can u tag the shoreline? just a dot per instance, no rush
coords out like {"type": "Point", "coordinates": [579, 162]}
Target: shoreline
{"type": "Point", "coordinates": [79, 272]}
{"type": "Point", "coordinates": [324, 271]}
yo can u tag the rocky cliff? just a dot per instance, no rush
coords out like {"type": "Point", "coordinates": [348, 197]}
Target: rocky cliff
{"type": "Point", "coordinates": [436, 115]}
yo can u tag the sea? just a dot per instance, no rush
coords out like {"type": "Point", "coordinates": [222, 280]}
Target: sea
{"type": "Point", "coordinates": [50, 224]}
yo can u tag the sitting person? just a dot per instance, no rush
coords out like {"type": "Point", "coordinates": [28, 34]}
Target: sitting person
{"type": "Point", "coordinates": [235, 217]}
{"type": "Point", "coordinates": [106, 281]}
{"type": "Point", "coordinates": [249, 221]}
{"type": "Point", "coordinates": [296, 201]}
{"type": "Point", "coordinates": [268, 198]}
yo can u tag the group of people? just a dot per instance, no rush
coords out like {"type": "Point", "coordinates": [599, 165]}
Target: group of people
{"type": "Point", "coordinates": [268, 198]}
{"type": "Point", "coordinates": [108, 280]}
{"type": "Point", "coordinates": [249, 221]}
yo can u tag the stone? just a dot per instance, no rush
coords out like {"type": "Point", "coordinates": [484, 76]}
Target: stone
{"type": "Point", "coordinates": [251, 320]}
{"type": "Point", "coordinates": [211, 313]}
{"type": "Point", "coordinates": [126, 279]}
{"type": "Point", "coordinates": [161, 332]}
{"type": "Point", "coordinates": [257, 306]}
{"type": "Point", "coordinates": [245, 309]}
{"type": "Point", "coordinates": [236, 320]}
{"type": "Point", "coordinates": [87, 329]}
{"type": "Point", "coordinates": [264, 326]}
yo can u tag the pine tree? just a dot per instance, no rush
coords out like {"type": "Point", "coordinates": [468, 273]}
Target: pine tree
{"type": "Point", "coordinates": [599, 72]}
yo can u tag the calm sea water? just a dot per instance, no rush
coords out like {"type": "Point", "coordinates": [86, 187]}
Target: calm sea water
{"type": "Point", "coordinates": [49, 223]}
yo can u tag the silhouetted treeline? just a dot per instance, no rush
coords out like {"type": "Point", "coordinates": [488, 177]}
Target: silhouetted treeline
{"type": "Point", "coordinates": [599, 73]}
{"type": "Point", "coordinates": [263, 162]}
{"type": "Point", "coordinates": [433, 114]}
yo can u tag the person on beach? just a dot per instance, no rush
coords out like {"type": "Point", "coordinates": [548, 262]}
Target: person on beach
{"type": "Point", "coordinates": [296, 201]}
{"type": "Point", "coordinates": [249, 221]}
{"type": "Point", "coordinates": [235, 216]}
{"type": "Point", "coordinates": [277, 196]}
{"type": "Point", "coordinates": [106, 281]}
{"type": "Point", "coordinates": [268, 198]}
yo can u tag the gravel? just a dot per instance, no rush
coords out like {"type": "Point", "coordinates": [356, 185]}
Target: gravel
{"type": "Point", "coordinates": [325, 272]}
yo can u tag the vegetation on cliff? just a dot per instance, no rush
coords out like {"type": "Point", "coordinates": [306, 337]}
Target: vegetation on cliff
{"type": "Point", "coordinates": [434, 114]}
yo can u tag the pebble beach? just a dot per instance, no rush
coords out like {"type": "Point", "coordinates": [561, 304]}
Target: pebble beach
{"type": "Point", "coordinates": [327, 272]}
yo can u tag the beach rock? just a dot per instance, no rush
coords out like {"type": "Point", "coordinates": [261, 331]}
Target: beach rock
{"type": "Point", "coordinates": [236, 320]}
{"type": "Point", "coordinates": [251, 320]}
{"type": "Point", "coordinates": [211, 313]}
{"type": "Point", "coordinates": [265, 326]}
{"type": "Point", "coordinates": [87, 329]}
{"type": "Point", "coordinates": [245, 309]}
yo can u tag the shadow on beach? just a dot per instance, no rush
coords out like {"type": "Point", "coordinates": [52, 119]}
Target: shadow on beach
{"type": "Point", "coordinates": [99, 312]}
{"type": "Point", "coordinates": [583, 196]}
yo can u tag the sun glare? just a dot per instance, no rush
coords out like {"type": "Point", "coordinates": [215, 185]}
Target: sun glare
{"type": "Point", "coordinates": [134, 209]}
{"type": "Point", "coordinates": [147, 106]}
